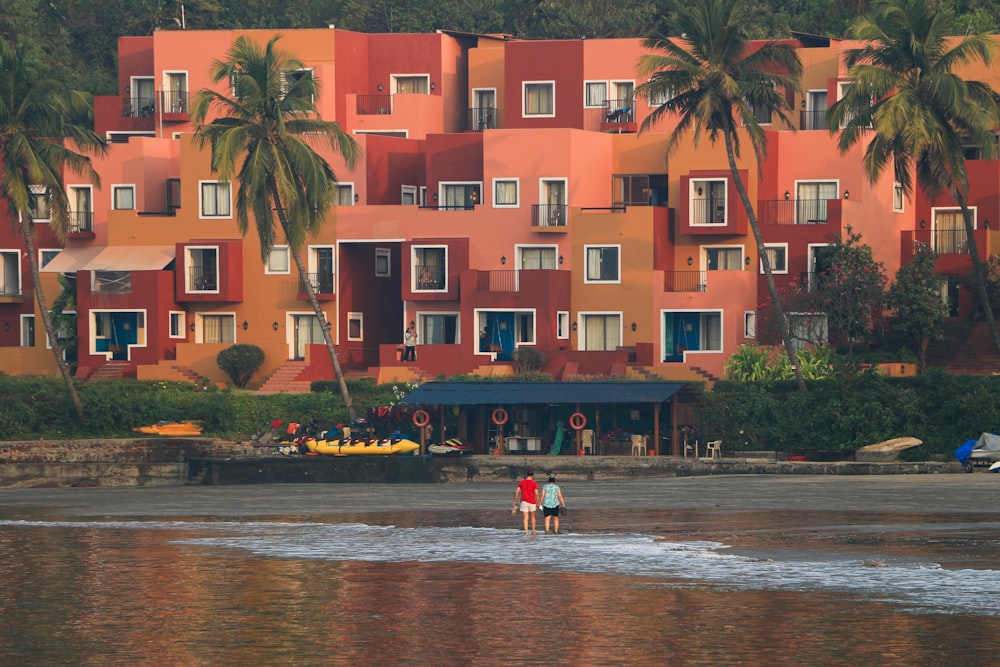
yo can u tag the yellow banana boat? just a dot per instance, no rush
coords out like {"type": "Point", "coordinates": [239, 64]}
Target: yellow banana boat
{"type": "Point", "coordinates": [355, 447]}
{"type": "Point", "coordinates": [177, 429]}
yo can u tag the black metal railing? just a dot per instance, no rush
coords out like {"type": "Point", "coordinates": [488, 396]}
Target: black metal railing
{"type": "Point", "coordinates": [138, 107]}
{"type": "Point", "coordinates": [685, 281]}
{"type": "Point", "coordinates": [482, 118]}
{"type": "Point", "coordinates": [322, 283]}
{"type": "Point", "coordinates": [619, 111]}
{"type": "Point", "coordinates": [80, 222]}
{"type": "Point", "coordinates": [549, 215]}
{"type": "Point", "coordinates": [793, 212]}
{"type": "Point", "coordinates": [429, 277]}
{"type": "Point", "coordinates": [708, 211]}
{"type": "Point", "coordinates": [951, 242]}
{"type": "Point", "coordinates": [504, 280]}
{"type": "Point", "coordinates": [202, 279]}
{"type": "Point", "coordinates": [175, 101]}
{"type": "Point", "coordinates": [374, 105]}
{"type": "Point", "coordinates": [813, 120]}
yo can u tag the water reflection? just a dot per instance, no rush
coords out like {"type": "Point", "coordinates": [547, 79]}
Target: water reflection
{"type": "Point", "coordinates": [435, 592]}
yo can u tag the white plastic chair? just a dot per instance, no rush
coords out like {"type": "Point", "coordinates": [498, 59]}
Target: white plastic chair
{"type": "Point", "coordinates": [587, 440]}
{"type": "Point", "coordinates": [713, 449]}
{"type": "Point", "coordinates": [638, 445]}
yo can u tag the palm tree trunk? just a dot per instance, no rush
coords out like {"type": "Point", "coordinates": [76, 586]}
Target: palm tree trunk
{"type": "Point", "coordinates": [43, 309]}
{"type": "Point", "coordinates": [978, 269]}
{"type": "Point", "coordinates": [320, 316]}
{"type": "Point", "coordinates": [786, 334]}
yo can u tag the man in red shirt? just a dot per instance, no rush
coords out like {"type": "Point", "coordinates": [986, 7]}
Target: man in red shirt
{"type": "Point", "coordinates": [526, 499]}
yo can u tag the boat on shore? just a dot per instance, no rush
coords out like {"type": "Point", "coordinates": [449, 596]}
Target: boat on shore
{"type": "Point", "coordinates": [450, 447]}
{"type": "Point", "coordinates": [362, 447]}
{"type": "Point", "coordinates": [175, 429]}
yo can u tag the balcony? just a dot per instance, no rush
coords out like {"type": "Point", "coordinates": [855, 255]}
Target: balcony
{"type": "Point", "coordinates": [10, 291]}
{"type": "Point", "coordinates": [112, 282]}
{"type": "Point", "coordinates": [323, 285]}
{"type": "Point", "coordinates": [708, 211]}
{"type": "Point", "coordinates": [685, 281]}
{"type": "Point", "coordinates": [430, 277]}
{"type": "Point", "coordinates": [797, 211]}
{"type": "Point", "coordinates": [549, 218]}
{"type": "Point", "coordinates": [506, 280]}
{"type": "Point", "coordinates": [175, 105]}
{"type": "Point", "coordinates": [482, 118]}
{"type": "Point", "coordinates": [619, 117]}
{"type": "Point", "coordinates": [138, 107]}
{"type": "Point", "coordinates": [81, 224]}
{"type": "Point", "coordinates": [813, 120]}
{"type": "Point", "coordinates": [203, 279]}
{"type": "Point", "coordinates": [374, 105]}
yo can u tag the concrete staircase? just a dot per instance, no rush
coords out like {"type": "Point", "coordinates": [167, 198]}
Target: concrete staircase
{"type": "Point", "coordinates": [672, 374]}
{"type": "Point", "coordinates": [285, 379]}
{"type": "Point", "coordinates": [112, 370]}
{"type": "Point", "coordinates": [967, 348]}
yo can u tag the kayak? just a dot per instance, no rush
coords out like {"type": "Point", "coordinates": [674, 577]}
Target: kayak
{"type": "Point", "coordinates": [451, 447]}
{"type": "Point", "coordinates": [355, 447]}
{"type": "Point", "coordinates": [187, 428]}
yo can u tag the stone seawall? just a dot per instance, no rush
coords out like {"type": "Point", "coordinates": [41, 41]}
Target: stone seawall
{"type": "Point", "coordinates": [189, 461]}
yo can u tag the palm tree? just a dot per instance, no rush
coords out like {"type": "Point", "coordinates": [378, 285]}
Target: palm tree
{"type": "Point", "coordinates": [263, 137]}
{"type": "Point", "coordinates": [917, 111]}
{"type": "Point", "coordinates": [41, 122]}
{"type": "Point", "coordinates": [714, 79]}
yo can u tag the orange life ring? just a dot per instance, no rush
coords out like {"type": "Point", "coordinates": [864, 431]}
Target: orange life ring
{"type": "Point", "coordinates": [577, 421]}
{"type": "Point", "coordinates": [421, 418]}
{"type": "Point", "coordinates": [500, 416]}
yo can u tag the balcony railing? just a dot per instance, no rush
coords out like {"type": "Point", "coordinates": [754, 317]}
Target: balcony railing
{"type": "Point", "coordinates": [793, 212]}
{"type": "Point", "coordinates": [11, 288]}
{"type": "Point", "coordinates": [202, 279]}
{"type": "Point", "coordinates": [138, 107]}
{"type": "Point", "coordinates": [112, 282]}
{"type": "Point", "coordinates": [708, 211]}
{"type": "Point", "coordinates": [81, 222]}
{"type": "Point", "coordinates": [619, 111]}
{"type": "Point", "coordinates": [482, 118]}
{"type": "Point", "coordinates": [322, 283]}
{"type": "Point", "coordinates": [429, 277]}
{"type": "Point", "coordinates": [685, 281]}
{"type": "Point", "coordinates": [506, 280]}
{"type": "Point", "coordinates": [813, 120]}
{"type": "Point", "coordinates": [950, 241]}
{"type": "Point", "coordinates": [374, 105]}
{"type": "Point", "coordinates": [549, 215]}
{"type": "Point", "coordinates": [175, 101]}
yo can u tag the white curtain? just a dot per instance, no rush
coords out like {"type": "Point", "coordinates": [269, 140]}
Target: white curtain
{"type": "Point", "coordinates": [538, 98]}
{"type": "Point", "coordinates": [506, 193]}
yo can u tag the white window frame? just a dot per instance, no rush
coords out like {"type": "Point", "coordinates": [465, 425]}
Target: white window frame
{"type": "Point", "coordinates": [179, 318]}
{"type": "Point", "coordinates": [960, 245]}
{"type": "Point", "coordinates": [297, 70]}
{"type": "Point", "coordinates": [723, 246]}
{"type": "Point", "coordinates": [782, 250]}
{"type": "Point", "coordinates": [415, 279]}
{"type": "Point", "coordinates": [562, 324]}
{"type": "Point", "coordinates": [383, 255]}
{"type": "Point", "coordinates": [898, 198]}
{"type": "Point", "coordinates": [360, 318]}
{"type": "Point", "coordinates": [71, 194]}
{"type": "Point", "coordinates": [479, 316]}
{"type": "Point", "coordinates": [524, 99]}
{"type": "Point", "coordinates": [422, 316]}
{"type": "Point", "coordinates": [841, 87]}
{"type": "Point", "coordinates": [312, 262]}
{"type": "Point", "coordinates": [17, 255]}
{"type": "Point", "coordinates": [422, 196]}
{"type": "Point", "coordinates": [654, 101]}
{"type": "Point", "coordinates": [394, 82]}
{"type": "Point", "coordinates": [166, 91]}
{"type": "Point", "coordinates": [114, 196]}
{"type": "Point", "coordinates": [750, 324]}
{"type": "Point", "coordinates": [447, 184]}
{"type": "Point", "coordinates": [693, 197]}
{"type": "Point", "coordinates": [279, 250]}
{"type": "Point", "coordinates": [521, 247]}
{"type": "Point", "coordinates": [201, 200]}
{"type": "Point", "coordinates": [581, 334]}
{"type": "Point", "coordinates": [517, 192]}
{"type": "Point", "coordinates": [41, 256]}
{"type": "Point", "coordinates": [188, 265]}
{"type": "Point", "coordinates": [23, 331]}
{"type": "Point", "coordinates": [48, 341]}
{"type": "Point", "coordinates": [815, 181]}
{"type": "Point", "coordinates": [41, 190]}
{"type": "Point", "coordinates": [199, 330]}
{"type": "Point", "coordinates": [810, 98]}
{"type": "Point", "coordinates": [587, 280]}
{"type": "Point", "coordinates": [617, 84]}
{"type": "Point", "coordinates": [702, 312]}
{"type": "Point", "coordinates": [408, 190]}
{"type": "Point", "coordinates": [341, 186]}
{"type": "Point", "coordinates": [586, 91]}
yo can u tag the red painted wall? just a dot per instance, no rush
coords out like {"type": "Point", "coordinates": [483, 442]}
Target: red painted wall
{"type": "Point", "coordinates": [454, 157]}
{"type": "Point", "coordinates": [559, 61]}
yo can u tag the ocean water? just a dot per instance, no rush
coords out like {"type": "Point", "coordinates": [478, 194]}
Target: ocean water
{"type": "Point", "coordinates": [467, 587]}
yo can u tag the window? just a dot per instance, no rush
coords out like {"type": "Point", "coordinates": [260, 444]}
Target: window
{"type": "Point", "coordinates": [429, 268]}
{"type": "Point", "coordinates": [749, 324]}
{"type": "Point", "coordinates": [460, 196]}
{"type": "Point", "coordinates": [123, 197]}
{"type": "Point", "coordinates": [724, 259]}
{"type": "Point", "coordinates": [143, 101]}
{"type": "Point", "coordinates": [708, 202]}
{"type": "Point", "coordinates": [539, 98]}
{"type": "Point", "coordinates": [320, 270]}
{"type": "Point", "coordinates": [691, 331]}
{"type": "Point", "coordinates": [438, 329]}
{"type": "Point", "coordinates": [218, 328]}
{"type": "Point", "coordinates": [81, 214]}
{"type": "Point", "coordinates": [815, 113]}
{"type": "Point", "coordinates": [355, 326]}
{"type": "Point", "coordinates": [602, 264]}
{"type": "Point", "coordinates": [175, 92]}
{"type": "Point", "coordinates": [536, 257]}
{"type": "Point", "coordinates": [505, 192]}
{"type": "Point", "coordinates": [777, 255]}
{"type": "Point", "coordinates": [278, 261]}
{"type": "Point", "coordinates": [215, 201]}
{"type": "Point", "coordinates": [808, 328]}
{"type": "Point", "coordinates": [38, 204]}
{"type": "Point", "coordinates": [639, 190]}
{"type": "Point", "coordinates": [27, 330]}
{"type": "Point", "coordinates": [111, 282]}
{"type": "Point", "coordinates": [562, 324]}
{"type": "Point", "coordinates": [46, 255]}
{"type": "Point", "coordinates": [203, 269]}
{"type": "Point", "coordinates": [10, 273]}
{"type": "Point", "coordinates": [949, 236]}
{"type": "Point", "coordinates": [409, 195]}
{"type": "Point", "coordinates": [411, 83]}
{"type": "Point", "coordinates": [383, 262]}
{"type": "Point", "coordinates": [345, 194]}
{"type": "Point", "coordinates": [659, 96]}
{"type": "Point", "coordinates": [176, 324]}
{"type": "Point", "coordinates": [291, 77]}
{"type": "Point", "coordinates": [898, 197]}
{"type": "Point", "coordinates": [595, 93]}
{"type": "Point", "coordinates": [622, 94]}
{"type": "Point", "coordinates": [810, 201]}
{"type": "Point", "coordinates": [843, 87]}
{"type": "Point", "coordinates": [423, 195]}
{"type": "Point", "coordinates": [601, 332]}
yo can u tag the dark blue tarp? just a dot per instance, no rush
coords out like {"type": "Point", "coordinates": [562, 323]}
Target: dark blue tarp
{"type": "Point", "coordinates": [964, 450]}
{"type": "Point", "coordinates": [535, 393]}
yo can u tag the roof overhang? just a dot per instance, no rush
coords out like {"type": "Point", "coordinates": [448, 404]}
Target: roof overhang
{"type": "Point", "coordinates": [541, 393]}
{"type": "Point", "coordinates": [132, 258]}
{"type": "Point", "coordinates": [71, 260]}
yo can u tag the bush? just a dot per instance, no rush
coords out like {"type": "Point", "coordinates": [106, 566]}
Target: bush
{"type": "Point", "coordinates": [528, 360]}
{"type": "Point", "coordinates": [240, 362]}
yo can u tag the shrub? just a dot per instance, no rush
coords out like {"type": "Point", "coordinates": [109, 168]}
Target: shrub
{"type": "Point", "coordinates": [240, 362]}
{"type": "Point", "coordinates": [528, 360]}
